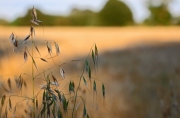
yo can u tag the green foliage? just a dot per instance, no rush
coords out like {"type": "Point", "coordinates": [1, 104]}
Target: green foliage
{"type": "Point", "coordinates": [82, 18]}
{"type": "Point", "coordinates": [3, 22]}
{"type": "Point", "coordinates": [159, 16]}
{"type": "Point", "coordinates": [2, 100]}
{"type": "Point", "coordinates": [71, 87]}
{"type": "Point", "coordinates": [76, 18]}
{"type": "Point", "coordinates": [115, 13]}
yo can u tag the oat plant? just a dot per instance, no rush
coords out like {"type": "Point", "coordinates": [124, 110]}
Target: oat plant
{"type": "Point", "coordinates": [54, 102]}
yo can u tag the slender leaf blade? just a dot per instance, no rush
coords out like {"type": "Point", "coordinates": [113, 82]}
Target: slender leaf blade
{"type": "Point", "coordinates": [25, 56]}
{"type": "Point", "coordinates": [9, 83]}
{"type": "Point", "coordinates": [49, 48]}
{"type": "Point", "coordinates": [3, 99]}
{"type": "Point", "coordinates": [94, 86]}
{"type": "Point", "coordinates": [57, 48]}
{"type": "Point", "coordinates": [43, 59]}
{"type": "Point", "coordinates": [84, 111]}
{"type": "Point", "coordinates": [10, 104]}
{"type": "Point", "coordinates": [11, 38]}
{"type": "Point", "coordinates": [26, 38]}
{"type": "Point", "coordinates": [103, 90]}
{"type": "Point", "coordinates": [32, 31]}
{"type": "Point", "coordinates": [85, 82]}
{"type": "Point", "coordinates": [35, 64]}
{"type": "Point", "coordinates": [37, 49]}
{"type": "Point", "coordinates": [93, 57]}
{"type": "Point", "coordinates": [96, 55]}
{"type": "Point", "coordinates": [89, 72]}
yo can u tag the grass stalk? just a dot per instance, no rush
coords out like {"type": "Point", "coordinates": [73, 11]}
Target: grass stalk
{"type": "Point", "coordinates": [34, 114]}
{"type": "Point", "coordinates": [77, 92]}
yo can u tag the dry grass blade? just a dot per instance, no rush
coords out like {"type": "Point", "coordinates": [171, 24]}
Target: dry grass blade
{"type": "Point", "coordinates": [94, 86]}
{"type": "Point", "coordinates": [35, 64]}
{"type": "Point", "coordinates": [14, 110]}
{"type": "Point", "coordinates": [62, 72]}
{"type": "Point", "coordinates": [43, 86]}
{"type": "Point", "coordinates": [57, 48]}
{"type": "Point", "coordinates": [25, 56]}
{"type": "Point", "coordinates": [34, 22]}
{"type": "Point", "coordinates": [25, 84]}
{"type": "Point", "coordinates": [54, 83]}
{"type": "Point", "coordinates": [38, 21]}
{"type": "Point", "coordinates": [36, 103]}
{"type": "Point", "coordinates": [87, 115]}
{"type": "Point", "coordinates": [85, 82]}
{"type": "Point", "coordinates": [26, 38]}
{"type": "Point", "coordinates": [54, 79]}
{"type": "Point", "coordinates": [43, 59]}
{"type": "Point", "coordinates": [9, 83]}
{"type": "Point", "coordinates": [3, 99]}
{"type": "Point", "coordinates": [11, 38]}
{"type": "Point", "coordinates": [78, 105]}
{"type": "Point", "coordinates": [34, 14]}
{"type": "Point", "coordinates": [19, 82]}
{"type": "Point", "coordinates": [15, 43]}
{"type": "Point", "coordinates": [49, 48]}
{"type": "Point", "coordinates": [103, 90]}
{"type": "Point", "coordinates": [96, 56]}
{"type": "Point", "coordinates": [93, 57]}
{"type": "Point", "coordinates": [10, 104]}
{"type": "Point", "coordinates": [87, 66]}
{"type": "Point", "coordinates": [32, 31]}
{"type": "Point", "coordinates": [84, 111]}
{"type": "Point", "coordinates": [89, 72]}
{"type": "Point", "coordinates": [37, 49]}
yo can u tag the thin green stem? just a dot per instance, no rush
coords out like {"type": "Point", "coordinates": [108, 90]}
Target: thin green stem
{"type": "Point", "coordinates": [33, 83]}
{"type": "Point", "coordinates": [80, 82]}
{"type": "Point", "coordinates": [76, 94]}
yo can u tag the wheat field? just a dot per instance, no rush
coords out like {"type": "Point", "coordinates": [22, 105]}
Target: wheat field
{"type": "Point", "coordinates": [136, 64]}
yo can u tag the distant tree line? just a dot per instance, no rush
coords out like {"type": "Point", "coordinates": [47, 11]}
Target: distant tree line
{"type": "Point", "coordinates": [114, 13]}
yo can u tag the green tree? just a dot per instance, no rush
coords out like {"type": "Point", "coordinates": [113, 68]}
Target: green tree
{"type": "Point", "coordinates": [115, 13]}
{"type": "Point", "coordinates": [159, 15]}
{"type": "Point", "coordinates": [3, 22]}
{"type": "Point", "coordinates": [82, 18]}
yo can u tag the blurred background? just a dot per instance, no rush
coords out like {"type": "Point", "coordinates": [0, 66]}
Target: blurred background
{"type": "Point", "coordinates": [139, 52]}
{"type": "Point", "coordinates": [90, 13]}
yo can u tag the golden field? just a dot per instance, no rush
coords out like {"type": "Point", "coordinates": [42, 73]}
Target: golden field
{"type": "Point", "coordinates": [138, 65]}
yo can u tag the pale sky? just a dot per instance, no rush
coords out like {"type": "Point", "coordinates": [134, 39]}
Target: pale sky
{"type": "Point", "coordinates": [11, 9]}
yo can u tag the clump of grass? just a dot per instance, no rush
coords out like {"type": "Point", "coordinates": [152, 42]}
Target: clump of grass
{"type": "Point", "coordinates": [55, 103]}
